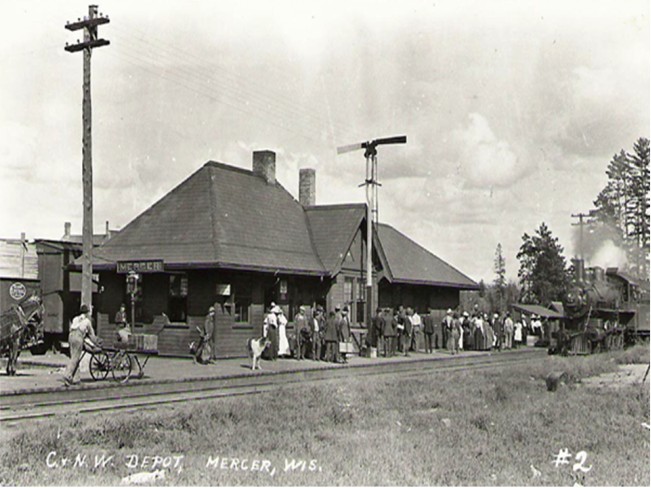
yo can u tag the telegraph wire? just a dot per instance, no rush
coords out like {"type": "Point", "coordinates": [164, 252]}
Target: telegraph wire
{"type": "Point", "coordinates": [240, 88]}
{"type": "Point", "coordinates": [137, 62]}
{"type": "Point", "coordinates": [189, 76]}
{"type": "Point", "coordinates": [184, 80]}
{"type": "Point", "coordinates": [145, 38]}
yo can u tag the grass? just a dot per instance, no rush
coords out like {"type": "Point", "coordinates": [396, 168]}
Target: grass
{"type": "Point", "coordinates": [462, 428]}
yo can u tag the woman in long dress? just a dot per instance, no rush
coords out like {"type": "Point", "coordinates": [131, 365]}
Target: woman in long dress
{"type": "Point", "coordinates": [517, 336]}
{"type": "Point", "coordinates": [283, 343]}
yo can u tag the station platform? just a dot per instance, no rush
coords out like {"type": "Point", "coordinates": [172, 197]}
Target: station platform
{"type": "Point", "coordinates": [45, 373]}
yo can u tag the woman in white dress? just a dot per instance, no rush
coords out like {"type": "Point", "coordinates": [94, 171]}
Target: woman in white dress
{"type": "Point", "coordinates": [517, 336]}
{"type": "Point", "coordinates": [283, 343]}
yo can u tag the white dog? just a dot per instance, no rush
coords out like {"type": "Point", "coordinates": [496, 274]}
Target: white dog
{"type": "Point", "coordinates": [256, 347]}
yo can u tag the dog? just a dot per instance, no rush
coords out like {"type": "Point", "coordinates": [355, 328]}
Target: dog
{"type": "Point", "coordinates": [256, 347]}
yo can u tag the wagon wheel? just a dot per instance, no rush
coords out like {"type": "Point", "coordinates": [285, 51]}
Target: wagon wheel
{"type": "Point", "coordinates": [141, 370]}
{"type": "Point", "coordinates": [99, 365]}
{"type": "Point", "coordinates": [121, 367]}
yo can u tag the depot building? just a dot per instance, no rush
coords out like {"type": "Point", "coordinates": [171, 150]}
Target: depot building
{"type": "Point", "coordinates": [237, 240]}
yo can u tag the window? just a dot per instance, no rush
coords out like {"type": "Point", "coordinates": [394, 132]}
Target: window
{"type": "Point", "coordinates": [177, 302]}
{"type": "Point", "coordinates": [348, 290]}
{"type": "Point", "coordinates": [361, 301]}
{"type": "Point", "coordinates": [242, 300]}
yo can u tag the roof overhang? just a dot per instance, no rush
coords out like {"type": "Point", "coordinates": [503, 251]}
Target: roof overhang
{"type": "Point", "coordinates": [537, 310]}
{"type": "Point", "coordinates": [443, 284]}
{"type": "Point", "coordinates": [111, 266]}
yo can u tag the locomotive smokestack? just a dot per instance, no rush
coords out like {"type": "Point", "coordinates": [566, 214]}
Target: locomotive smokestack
{"type": "Point", "coordinates": [579, 270]}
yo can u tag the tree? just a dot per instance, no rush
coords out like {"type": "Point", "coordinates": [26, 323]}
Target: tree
{"type": "Point", "coordinates": [622, 207]}
{"type": "Point", "coordinates": [543, 274]}
{"type": "Point", "coordinates": [637, 210]}
{"type": "Point", "coordinates": [500, 280]}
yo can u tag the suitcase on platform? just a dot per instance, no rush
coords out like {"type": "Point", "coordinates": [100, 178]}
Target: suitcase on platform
{"type": "Point", "coordinates": [346, 347]}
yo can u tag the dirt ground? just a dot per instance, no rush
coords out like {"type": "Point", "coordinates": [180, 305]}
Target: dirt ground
{"type": "Point", "coordinates": [628, 374]}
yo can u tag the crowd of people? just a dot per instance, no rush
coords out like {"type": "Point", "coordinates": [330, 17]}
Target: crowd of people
{"type": "Point", "coordinates": [398, 331]}
{"type": "Point", "coordinates": [319, 336]}
{"type": "Point", "coordinates": [327, 336]}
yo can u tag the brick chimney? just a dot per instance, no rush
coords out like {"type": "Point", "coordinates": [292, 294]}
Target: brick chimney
{"type": "Point", "coordinates": [264, 165]}
{"type": "Point", "coordinates": [307, 187]}
{"type": "Point", "coordinates": [66, 230]}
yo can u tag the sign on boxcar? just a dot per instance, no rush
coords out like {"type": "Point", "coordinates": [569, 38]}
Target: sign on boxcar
{"type": "Point", "coordinates": [17, 291]}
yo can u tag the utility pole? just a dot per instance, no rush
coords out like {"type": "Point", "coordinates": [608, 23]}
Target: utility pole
{"type": "Point", "coordinates": [581, 223]}
{"type": "Point", "coordinates": [89, 25]}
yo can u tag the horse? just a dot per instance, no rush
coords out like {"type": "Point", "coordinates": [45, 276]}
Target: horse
{"type": "Point", "coordinates": [21, 328]}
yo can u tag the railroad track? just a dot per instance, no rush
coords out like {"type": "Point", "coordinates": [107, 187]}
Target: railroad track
{"type": "Point", "coordinates": [132, 396]}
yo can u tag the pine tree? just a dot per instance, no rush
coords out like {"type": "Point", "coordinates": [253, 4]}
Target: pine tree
{"type": "Point", "coordinates": [622, 207]}
{"type": "Point", "coordinates": [543, 274]}
{"type": "Point", "coordinates": [500, 278]}
{"type": "Point", "coordinates": [637, 210]}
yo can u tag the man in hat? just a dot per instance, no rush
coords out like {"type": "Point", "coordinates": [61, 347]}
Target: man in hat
{"type": "Point", "coordinates": [536, 325]}
{"type": "Point", "coordinates": [344, 328]}
{"type": "Point", "coordinates": [205, 353]}
{"type": "Point", "coordinates": [376, 329]}
{"type": "Point", "coordinates": [406, 332]}
{"type": "Point", "coordinates": [428, 330]}
{"type": "Point", "coordinates": [509, 328]}
{"type": "Point", "coordinates": [497, 331]}
{"type": "Point", "coordinates": [416, 328]}
{"type": "Point", "coordinates": [389, 333]}
{"type": "Point", "coordinates": [122, 324]}
{"type": "Point", "coordinates": [300, 324]}
{"type": "Point", "coordinates": [332, 337]}
{"type": "Point", "coordinates": [317, 329]}
{"type": "Point", "coordinates": [80, 329]}
{"type": "Point", "coordinates": [446, 327]}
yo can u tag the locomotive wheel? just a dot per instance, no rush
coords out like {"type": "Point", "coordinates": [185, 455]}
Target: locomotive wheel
{"type": "Point", "coordinates": [99, 366]}
{"type": "Point", "coordinates": [619, 342]}
{"type": "Point", "coordinates": [121, 367]}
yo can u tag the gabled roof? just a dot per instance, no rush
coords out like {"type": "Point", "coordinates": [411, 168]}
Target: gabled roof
{"type": "Point", "coordinates": [411, 263]}
{"type": "Point", "coordinates": [333, 228]}
{"type": "Point", "coordinates": [220, 216]}
{"type": "Point", "coordinates": [57, 245]}
{"type": "Point", "coordinates": [228, 217]}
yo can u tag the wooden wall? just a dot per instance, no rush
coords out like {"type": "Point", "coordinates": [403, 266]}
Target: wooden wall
{"type": "Point", "coordinates": [230, 337]}
{"type": "Point", "coordinates": [419, 297]}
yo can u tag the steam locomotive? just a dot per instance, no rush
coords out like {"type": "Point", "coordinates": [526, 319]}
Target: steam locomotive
{"type": "Point", "coordinates": [604, 310]}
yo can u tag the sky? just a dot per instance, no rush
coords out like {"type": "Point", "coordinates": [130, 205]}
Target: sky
{"type": "Point", "coordinates": [512, 109]}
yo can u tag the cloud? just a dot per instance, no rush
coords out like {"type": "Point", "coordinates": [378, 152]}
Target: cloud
{"type": "Point", "coordinates": [486, 160]}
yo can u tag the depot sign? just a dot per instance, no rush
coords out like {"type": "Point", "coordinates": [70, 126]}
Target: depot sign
{"type": "Point", "coordinates": [147, 266]}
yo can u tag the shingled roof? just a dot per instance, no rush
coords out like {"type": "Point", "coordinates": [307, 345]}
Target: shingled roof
{"type": "Point", "coordinates": [228, 217]}
{"type": "Point", "coordinates": [220, 216]}
{"type": "Point", "coordinates": [410, 263]}
{"type": "Point", "coordinates": [333, 228]}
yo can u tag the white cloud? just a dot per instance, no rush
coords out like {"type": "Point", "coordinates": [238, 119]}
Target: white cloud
{"type": "Point", "coordinates": [486, 160]}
